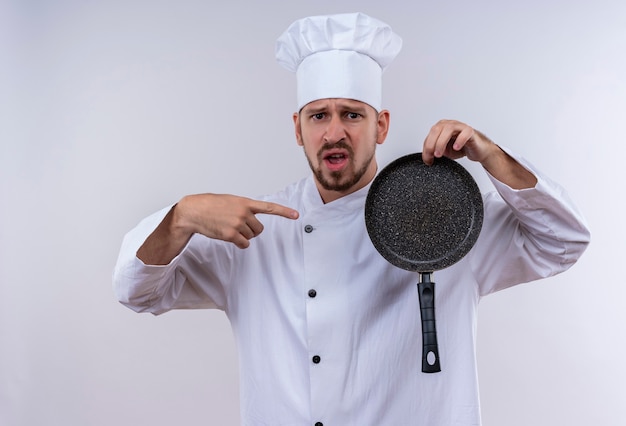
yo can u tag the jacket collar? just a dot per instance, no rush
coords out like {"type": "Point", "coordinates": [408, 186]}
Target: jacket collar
{"type": "Point", "coordinates": [313, 201]}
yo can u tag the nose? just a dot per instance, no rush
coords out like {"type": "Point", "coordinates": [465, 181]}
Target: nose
{"type": "Point", "coordinates": [335, 131]}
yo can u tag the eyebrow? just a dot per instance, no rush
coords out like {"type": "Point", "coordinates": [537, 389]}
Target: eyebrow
{"type": "Point", "coordinates": [313, 111]}
{"type": "Point", "coordinates": [357, 108]}
{"type": "Point", "coordinates": [360, 109]}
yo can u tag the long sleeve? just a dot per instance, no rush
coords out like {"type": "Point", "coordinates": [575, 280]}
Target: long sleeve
{"type": "Point", "coordinates": [191, 280]}
{"type": "Point", "coordinates": [528, 234]}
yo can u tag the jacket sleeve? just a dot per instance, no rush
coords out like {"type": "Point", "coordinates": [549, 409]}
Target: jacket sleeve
{"type": "Point", "coordinates": [527, 234]}
{"type": "Point", "coordinates": [194, 279]}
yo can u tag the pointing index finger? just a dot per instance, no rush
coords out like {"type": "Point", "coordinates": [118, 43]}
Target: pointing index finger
{"type": "Point", "coordinates": [267, 207]}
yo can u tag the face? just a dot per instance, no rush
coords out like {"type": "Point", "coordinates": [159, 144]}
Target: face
{"type": "Point", "coordinates": [339, 137]}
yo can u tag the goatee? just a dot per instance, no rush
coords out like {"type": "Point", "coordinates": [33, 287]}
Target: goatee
{"type": "Point", "coordinates": [342, 180]}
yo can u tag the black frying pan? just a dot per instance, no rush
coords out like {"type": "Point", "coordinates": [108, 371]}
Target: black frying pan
{"type": "Point", "coordinates": [424, 218]}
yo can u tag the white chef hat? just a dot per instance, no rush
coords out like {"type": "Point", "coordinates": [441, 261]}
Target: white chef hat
{"type": "Point", "coordinates": [338, 56]}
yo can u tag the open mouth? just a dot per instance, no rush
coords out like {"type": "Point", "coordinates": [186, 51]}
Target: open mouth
{"type": "Point", "coordinates": [335, 160]}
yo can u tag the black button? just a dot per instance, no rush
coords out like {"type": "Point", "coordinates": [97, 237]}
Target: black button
{"type": "Point", "coordinates": [319, 424]}
{"type": "Point", "coordinates": [312, 293]}
{"type": "Point", "coordinates": [316, 359]}
{"type": "Point", "coordinates": [308, 229]}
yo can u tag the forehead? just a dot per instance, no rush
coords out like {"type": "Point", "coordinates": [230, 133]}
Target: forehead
{"type": "Point", "coordinates": [336, 103]}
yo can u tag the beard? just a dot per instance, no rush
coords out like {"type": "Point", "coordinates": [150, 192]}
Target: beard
{"type": "Point", "coordinates": [342, 180]}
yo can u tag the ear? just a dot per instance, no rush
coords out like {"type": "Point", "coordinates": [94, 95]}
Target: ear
{"type": "Point", "coordinates": [382, 126]}
{"type": "Point", "coordinates": [297, 128]}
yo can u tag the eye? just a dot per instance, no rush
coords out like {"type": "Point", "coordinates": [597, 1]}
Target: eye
{"type": "Point", "coordinates": [318, 116]}
{"type": "Point", "coordinates": [353, 115]}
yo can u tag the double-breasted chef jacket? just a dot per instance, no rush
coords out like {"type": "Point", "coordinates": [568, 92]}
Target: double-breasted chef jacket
{"type": "Point", "coordinates": [328, 332]}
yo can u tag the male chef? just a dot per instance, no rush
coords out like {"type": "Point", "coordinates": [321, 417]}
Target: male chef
{"type": "Point", "coordinates": [327, 330]}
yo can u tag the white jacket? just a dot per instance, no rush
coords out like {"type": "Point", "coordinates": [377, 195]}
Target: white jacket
{"type": "Point", "coordinates": [351, 355]}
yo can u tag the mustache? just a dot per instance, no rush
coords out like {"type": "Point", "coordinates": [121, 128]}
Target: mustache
{"type": "Point", "coordinates": [335, 145]}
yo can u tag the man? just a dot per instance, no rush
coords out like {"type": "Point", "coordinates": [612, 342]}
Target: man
{"type": "Point", "coordinates": [327, 330]}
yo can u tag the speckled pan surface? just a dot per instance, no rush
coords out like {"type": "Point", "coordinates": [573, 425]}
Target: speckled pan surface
{"type": "Point", "coordinates": [423, 218]}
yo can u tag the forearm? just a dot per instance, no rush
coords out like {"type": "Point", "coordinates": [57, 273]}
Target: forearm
{"type": "Point", "coordinates": [165, 242]}
{"type": "Point", "coordinates": [506, 169]}
{"type": "Point", "coordinates": [154, 282]}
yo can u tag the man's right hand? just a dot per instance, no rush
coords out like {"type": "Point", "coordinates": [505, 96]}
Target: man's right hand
{"type": "Point", "coordinates": [224, 217]}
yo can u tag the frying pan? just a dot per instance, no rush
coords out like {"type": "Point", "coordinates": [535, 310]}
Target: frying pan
{"type": "Point", "coordinates": [424, 218]}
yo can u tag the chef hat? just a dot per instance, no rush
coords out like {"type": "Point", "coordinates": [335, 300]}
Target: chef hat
{"type": "Point", "coordinates": [338, 56]}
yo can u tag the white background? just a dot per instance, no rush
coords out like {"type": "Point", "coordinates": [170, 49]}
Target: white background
{"type": "Point", "coordinates": [111, 110]}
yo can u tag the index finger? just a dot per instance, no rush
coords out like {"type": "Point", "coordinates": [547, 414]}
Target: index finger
{"type": "Point", "coordinates": [267, 207]}
{"type": "Point", "coordinates": [430, 143]}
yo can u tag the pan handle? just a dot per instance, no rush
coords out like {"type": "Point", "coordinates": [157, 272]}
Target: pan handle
{"type": "Point", "coordinates": [430, 349]}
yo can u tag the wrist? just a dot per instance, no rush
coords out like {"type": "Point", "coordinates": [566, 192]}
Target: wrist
{"type": "Point", "coordinates": [494, 158]}
{"type": "Point", "coordinates": [507, 170]}
{"type": "Point", "coordinates": [178, 224]}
